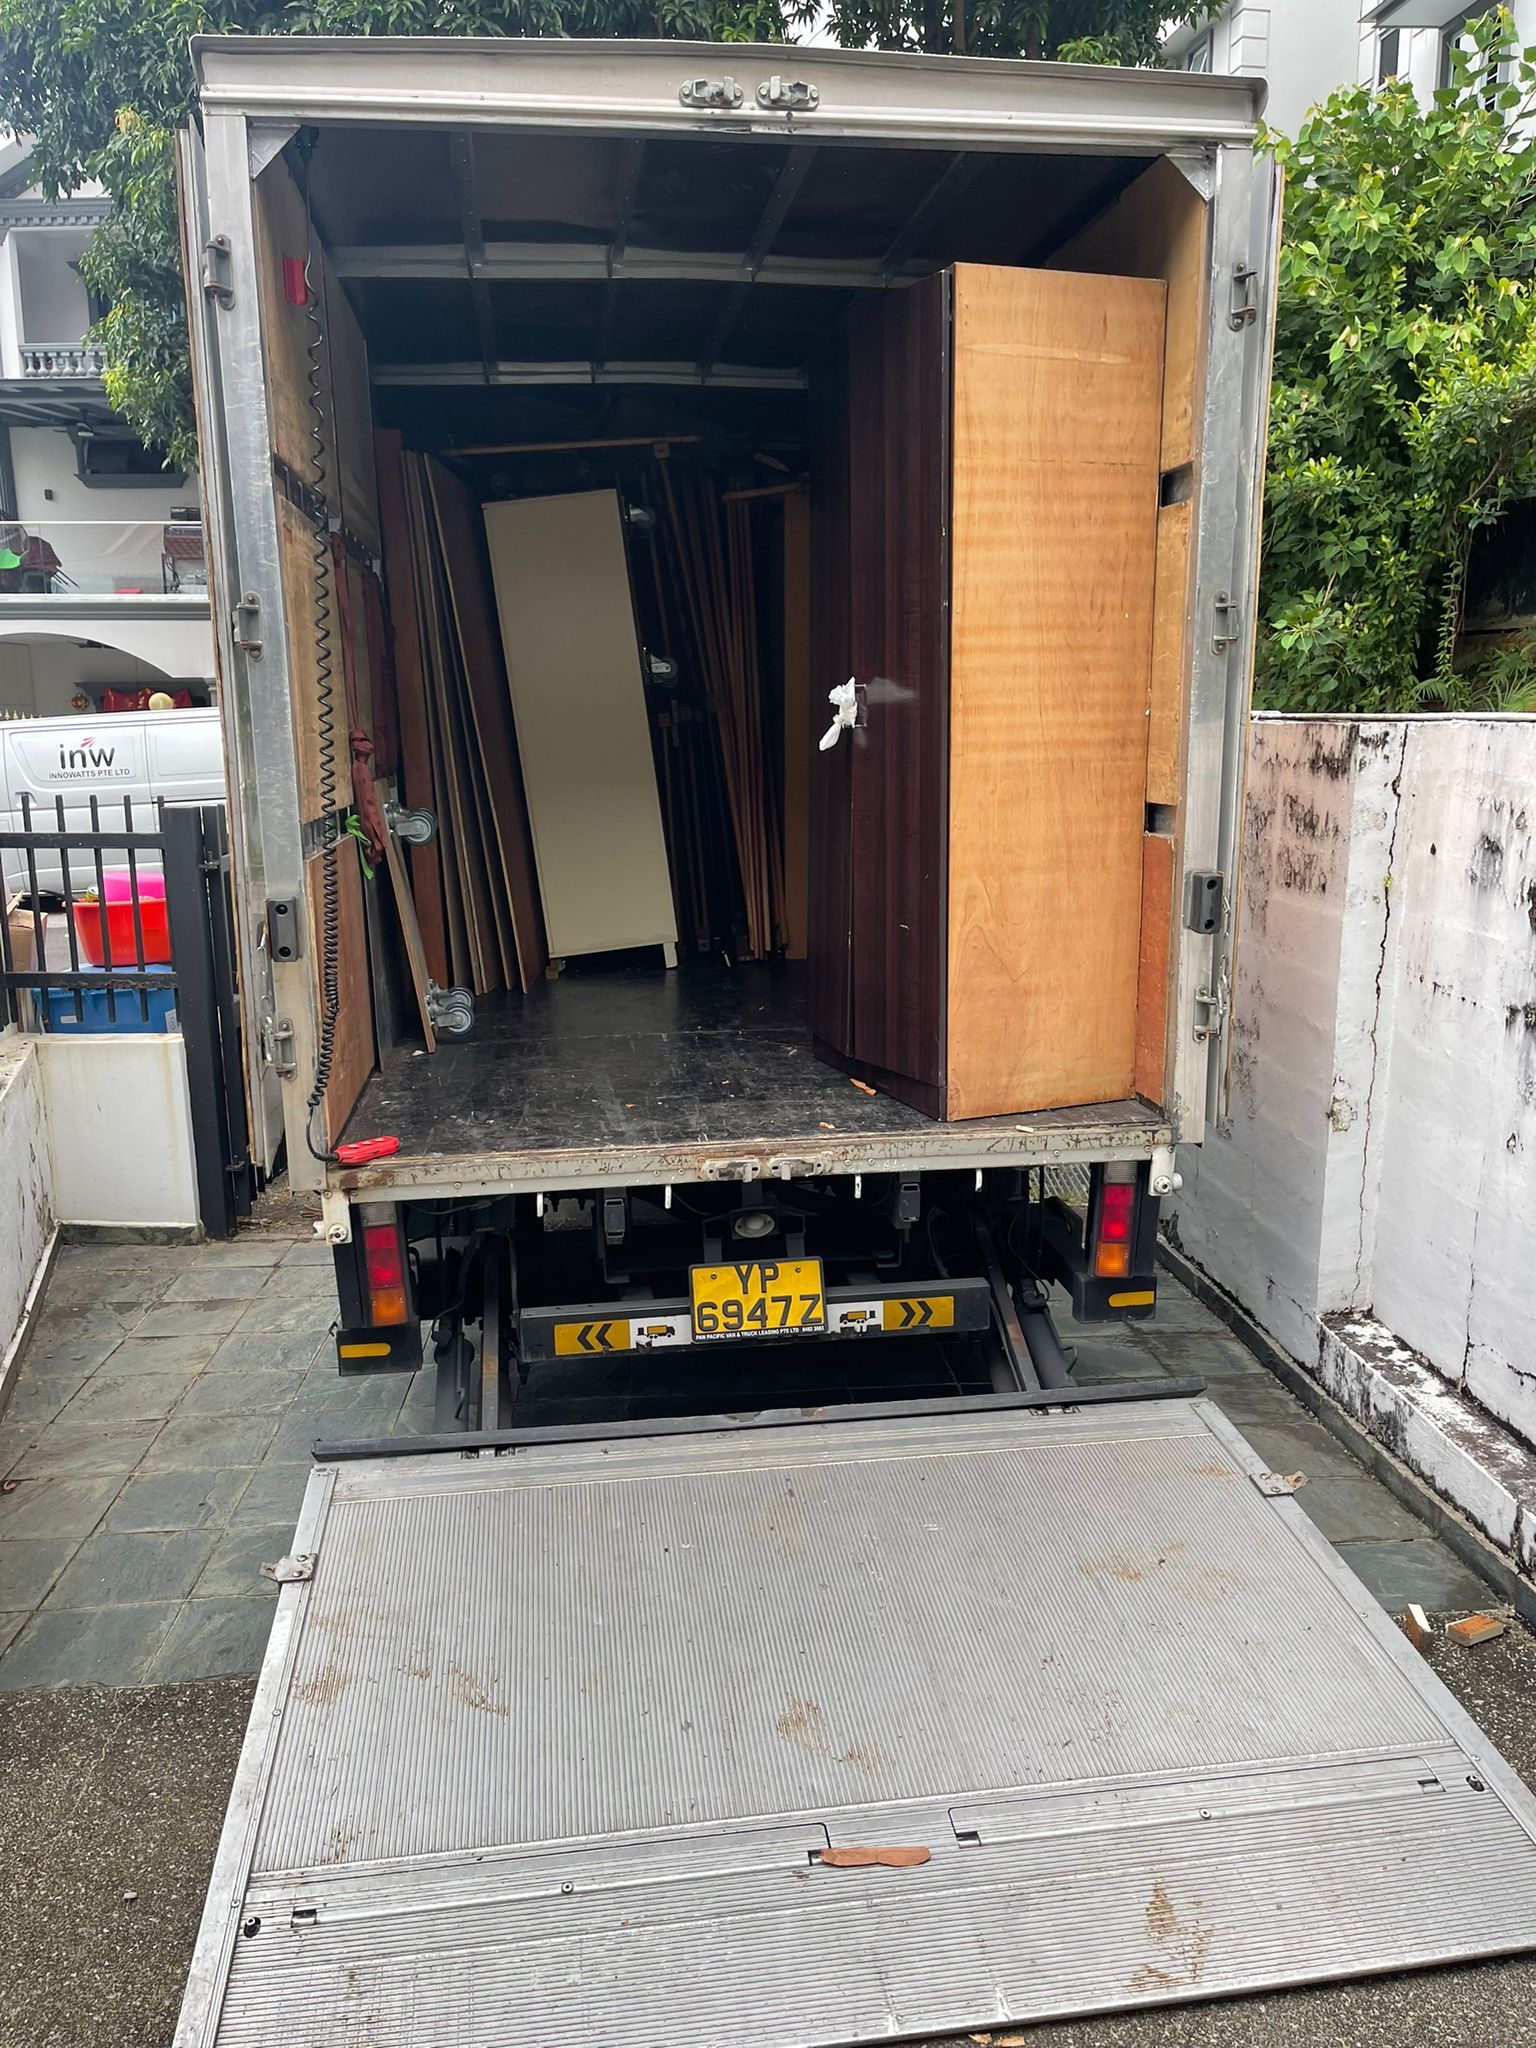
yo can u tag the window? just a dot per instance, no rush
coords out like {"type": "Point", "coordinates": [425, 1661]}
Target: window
{"type": "Point", "coordinates": [1200, 54]}
{"type": "Point", "coordinates": [1388, 54]}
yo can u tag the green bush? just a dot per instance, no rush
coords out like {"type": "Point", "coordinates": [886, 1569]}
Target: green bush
{"type": "Point", "coordinates": [1404, 412]}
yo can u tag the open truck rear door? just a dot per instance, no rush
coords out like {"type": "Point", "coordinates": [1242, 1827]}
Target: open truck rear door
{"type": "Point", "coordinates": [882, 1727]}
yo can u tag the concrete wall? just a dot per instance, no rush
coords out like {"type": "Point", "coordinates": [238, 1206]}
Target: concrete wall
{"type": "Point", "coordinates": [26, 1188]}
{"type": "Point", "coordinates": [119, 1129]}
{"type": "Point", "coordinates": [1373, 1172]}
{"type": "Point", "coordinates": [54, 306]}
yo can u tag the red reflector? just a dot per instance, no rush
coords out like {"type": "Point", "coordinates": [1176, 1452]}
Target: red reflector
{"type": "Point", "coordinates": [386, 1263]}
{"type": "Point", "coordinates": [295, 288]}
{"type": "Point", "coordinates": [1117, 1209]}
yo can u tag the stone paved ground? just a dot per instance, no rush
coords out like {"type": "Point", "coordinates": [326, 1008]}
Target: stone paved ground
{"type": "Point", "coordinates": [154, 1454]}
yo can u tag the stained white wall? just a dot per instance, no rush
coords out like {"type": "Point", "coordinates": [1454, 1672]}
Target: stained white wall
{"type": "Point", "coordinates": [1376, 1154]}
{"type": "Point", "coordinates": [119, 1127]}
{"type": "Point", "coordinates": [26, 1190]}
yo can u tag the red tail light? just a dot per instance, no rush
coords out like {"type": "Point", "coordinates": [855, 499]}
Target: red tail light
{"type": "Point", "coordinates": [1117, 1220]}
{"type": "Point", "coordinates": [384, 1253]}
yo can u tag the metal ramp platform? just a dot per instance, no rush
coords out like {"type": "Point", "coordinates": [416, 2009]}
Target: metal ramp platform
{"type": "Point", "coordinates": [552, 1746]}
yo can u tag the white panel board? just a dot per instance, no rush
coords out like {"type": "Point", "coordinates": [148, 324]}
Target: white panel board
{"type": "Point", "coordinates": [119, 1129]}
{"type": "Point", "coordinates": [573, 663]}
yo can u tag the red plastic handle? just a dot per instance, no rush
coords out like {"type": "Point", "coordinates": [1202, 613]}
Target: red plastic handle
{"type": "Point", "coordinates": [363, 1149]}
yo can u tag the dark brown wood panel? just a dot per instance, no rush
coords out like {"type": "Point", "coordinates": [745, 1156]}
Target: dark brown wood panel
{"type": "Point", "coordinates": [829, 907]}
{"type": "Point", "coordinates": [899, 406]}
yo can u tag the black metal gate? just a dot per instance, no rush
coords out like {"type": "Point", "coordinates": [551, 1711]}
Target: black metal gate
{"type": "Point", "coordinates": [149, 909]}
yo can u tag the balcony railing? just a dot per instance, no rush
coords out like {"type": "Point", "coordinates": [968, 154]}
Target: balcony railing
{"type": "Point", "coordinates": [117, 557]}
{"type": "Point", "coordinates": [60, 359]}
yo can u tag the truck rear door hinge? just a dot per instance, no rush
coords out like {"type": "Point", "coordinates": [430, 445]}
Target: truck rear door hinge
{"type": "Point", "coordinates": [710, 92]}
{"type": "Point", "coordinates": [788, 95]}
{"type": "Point", "coordinates": [292, 1570]}
{"type": "Point", "coordinates": [246, 619]}
{"type": "Point", "coordinates": [1225, 621]}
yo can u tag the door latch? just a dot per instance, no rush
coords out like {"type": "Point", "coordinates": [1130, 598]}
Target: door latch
{"type": "Point", "coordinates": [710, 92]}
{"type": "Point", "coordinates": [1244, 310]}
{"type": "Point", "coordinates": [1211, 1007]}
{"type": "Point", "coordinates": [1227, 618]}
{"type": "Point", "coordinates": [277, 1047]}
{"type": "Point", "coordinates": [787, 95]}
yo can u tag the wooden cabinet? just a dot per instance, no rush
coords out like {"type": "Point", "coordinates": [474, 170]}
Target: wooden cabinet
{"type": "Point", "coordinates": [985, 519]}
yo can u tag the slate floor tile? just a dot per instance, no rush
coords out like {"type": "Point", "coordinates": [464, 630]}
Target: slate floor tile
{"type": "Point", "coordinates": [206, 1442]}
{"type": "Point", "coordinates": [240, 1393]}
{"type": "Point", "coordinates": [1423, 1571]}
{"type": "Point", "coordinates": [1359, 1511]}
{"type": "Point", "coordinates": [289, 1351]}
{"type": "Point", "coordinates": [186, 1351]}
{"type": "Point", "coordinates": [29, 1566]}
{"type": "Point", "coordinates": [71, 1449]}
{"type": "Point", "coordinates": [213, 1319]}
{"type": "Point", "coordinates": [55, 1507]}
{"type": "Point", "coordinates": [86, 1646]}
{"type": "Point", "coordinates": [275, 1494]}
{"type": "Point", "coordinates": [118, 1569]}
{"type": "Point", "coordinates": [212, 1639]}
{"type": "Point", "coordinates": [233, 1570]}
{"type": "Point", "coordinates": [218, 1283]}
{"type": "Point", "coordinates": [179, 1500]}
{"type": "Point", "coordinates": [129, 1396]}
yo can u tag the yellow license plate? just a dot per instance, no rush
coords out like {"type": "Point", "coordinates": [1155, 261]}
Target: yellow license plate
{"type": "Point", "coordinates": [758, 1298]}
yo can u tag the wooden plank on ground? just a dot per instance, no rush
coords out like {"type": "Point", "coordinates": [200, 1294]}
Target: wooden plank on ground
{"type": "Point", "coordinates": [473, 602]}
{"type": "Point", "coordinates": [1155, 953]}
{"type": "Point", "coordinates": [1057, 401]}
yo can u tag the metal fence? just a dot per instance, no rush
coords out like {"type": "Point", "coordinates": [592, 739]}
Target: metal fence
{"type": "Point", "coordinates": [123, 924]}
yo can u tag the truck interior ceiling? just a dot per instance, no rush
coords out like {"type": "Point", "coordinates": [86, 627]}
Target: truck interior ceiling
{"type": "Point", "coordinates": [766, 563]}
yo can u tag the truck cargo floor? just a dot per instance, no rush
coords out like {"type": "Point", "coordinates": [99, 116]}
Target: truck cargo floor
{"type": "Point", "coordinates": [557, 1746]}
{"type": "Point", "coordinates": [634, 1060]}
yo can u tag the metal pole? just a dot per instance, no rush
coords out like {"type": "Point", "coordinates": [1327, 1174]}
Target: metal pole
{"type": "Point", "coordinates": [186, 909]}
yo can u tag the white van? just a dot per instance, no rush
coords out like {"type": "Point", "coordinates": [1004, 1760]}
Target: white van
{"type": "Point", "coordinates": [142, 755]}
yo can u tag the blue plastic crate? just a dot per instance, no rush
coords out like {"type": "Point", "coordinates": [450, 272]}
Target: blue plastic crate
{"type": "Point", "coordinates": [59, 1004]}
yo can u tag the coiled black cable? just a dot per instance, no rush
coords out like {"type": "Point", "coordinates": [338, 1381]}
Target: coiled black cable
{"type": "Point", "coordinates": [325, 695]}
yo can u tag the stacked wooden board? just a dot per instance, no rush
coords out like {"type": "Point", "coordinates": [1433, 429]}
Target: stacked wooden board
{"type": "Point", "coordinates": [476, 893]}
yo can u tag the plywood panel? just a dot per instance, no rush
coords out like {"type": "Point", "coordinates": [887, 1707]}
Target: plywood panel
{"type": "Point", "coordinates": [352, 405]}
{"type": "Point", "coordinates": [474, 611]}
{"type": "Point", "coordinates": [286, 330]}
{"type": "Point", "coordinates": [1158, 227]}
{"type": "Point", "coordinates": [352, 1058]}
{"type": "Point", "coordinates": [417, 786]}
{"type": "Point", "coordinates": [830, 901]}
{"type": "Point", "coordinates": [573, 665]}
{"type": "Point", "coordinates": [296, 559]}
{"type": "Point", "coordinates": [898, 591]}
{"type": "Point", "coordinates": [1158, 856]}
{"type": "Point", "coordinates": [1057, 403]}
{"type": "Point", "coordinates": [798, 740]}
{"type": "Point", "coordinates": [1170, 657]}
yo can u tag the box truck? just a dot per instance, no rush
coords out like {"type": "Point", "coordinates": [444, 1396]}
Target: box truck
{"type": "Point", "coordinates": [759, 543]}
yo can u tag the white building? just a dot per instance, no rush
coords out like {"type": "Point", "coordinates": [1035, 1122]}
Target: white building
{"type": "Point", "coordinates": [1307, 49]}
{"type": "Point", "coordinates": [102, 579]}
